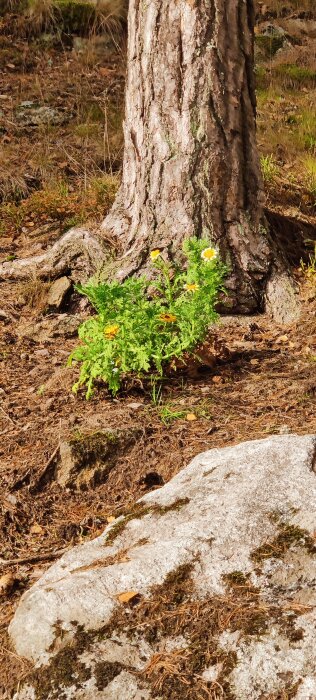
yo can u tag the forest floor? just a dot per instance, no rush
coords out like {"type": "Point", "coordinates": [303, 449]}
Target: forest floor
{"type": "Point", "coordinates": [61, 109]}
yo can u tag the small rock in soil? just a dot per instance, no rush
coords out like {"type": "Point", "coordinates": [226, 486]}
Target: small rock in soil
{"type": "Point", "coordinates": [58, 293]}
{"type": "Point", "coordinates": [51, 327]}
{"type": "Point", "coordinates": [87, 460]}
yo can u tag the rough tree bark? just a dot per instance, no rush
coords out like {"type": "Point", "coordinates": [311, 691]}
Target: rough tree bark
{"type": "Point", "coordinates": [191, 165]}
{"type": "Point", "coordinates": [190, 162]}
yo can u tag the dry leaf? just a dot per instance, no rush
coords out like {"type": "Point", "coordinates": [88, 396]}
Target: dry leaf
{"type": "Point", "coordinates": [105, 71]}
{"type": "Point", "coordinates": [217, 379]}
{"type": "Point", "coordinates": [6, 583]}
{"type": "Point", "coordinates": [282, 339]}
{"type": "Point", "coordinates": [191, 416]}
{"type": "Point", "coordinates": [127, 596]}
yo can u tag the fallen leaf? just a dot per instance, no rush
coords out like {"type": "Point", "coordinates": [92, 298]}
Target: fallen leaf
{"type": "Point", "coordinates": [191, 416]}
{"type": "Point", "coordinates": [217, 379]}
{"type": "Point", "coordinates": [6, 583]}
{"type": "Point", "coordinates": [126, 596]}
{"type": "Point", "coordinates": [36, 529]}
{"type": "Point", "coordinates": [105, 71]}
{"type": "Point", "coordinates": [282, 339]}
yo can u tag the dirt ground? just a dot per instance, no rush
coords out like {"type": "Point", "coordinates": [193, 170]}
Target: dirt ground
{"type": "Point", "coordinates": [266, 385]}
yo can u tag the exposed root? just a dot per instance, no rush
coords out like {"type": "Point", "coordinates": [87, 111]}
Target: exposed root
{"type": "Point", "coordinates": [82, 254]}
{"type": "Point", "coordinates": [77, 251]}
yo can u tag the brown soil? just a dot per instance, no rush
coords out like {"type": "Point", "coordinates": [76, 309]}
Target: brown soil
{"type": "Point", "coordinates": [267, 384]}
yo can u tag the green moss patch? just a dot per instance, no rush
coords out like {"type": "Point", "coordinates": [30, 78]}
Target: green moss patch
{"type": "Point", "coordinates": [171, 612]}
{"type": "Point", "coordinates": [268, 44]}
{"type": "Point", "coordinates": [287, 536]}
{"type": "Point", "coordinates": [64, 671]}
{"type": "Point", "coordinates": [139, 511]}
{"type": "Point", "coordinates": [105, 672]}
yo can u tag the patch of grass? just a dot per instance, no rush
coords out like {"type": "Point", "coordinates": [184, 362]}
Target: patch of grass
{"type": "Point", "coordinates": [57, 203]}
{"type": "Point", "coordinates": [310, 175]}
{"type": "Point", "coordinates": [168, 414]}
{"type": "Point", "coordinates": [71, 16]}
{"type": "Point", "coordinates": [269, 168]}
{"type": "Point", "coordinates": [307, 125]}
{"type": "Point", "coordinates": [34, 292]}
{"type": "Point", "coordinates": [309, 268]}
{"type": "Point", "coordinates": [294, 76]}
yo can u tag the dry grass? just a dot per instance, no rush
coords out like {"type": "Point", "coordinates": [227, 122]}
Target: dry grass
{"type": "Point", "coordinates": [281, 8]}
{"type": "Point", "coordinates": [82, 16]}
{"type": "Point", "coordinates": [172, 611]}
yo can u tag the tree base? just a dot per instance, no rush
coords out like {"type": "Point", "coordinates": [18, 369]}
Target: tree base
{"type": "Point", "coordinates": [80, 254]}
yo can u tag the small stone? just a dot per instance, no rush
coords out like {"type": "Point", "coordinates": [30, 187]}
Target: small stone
{"type": "Point", "coordinates": [12, 499]}
{"type": "Point", "coordinates": [4, 316]}
{"type": "Point", "coordinates": [284, 430]}
{"type": "Point", "coordinates": [57, 293]}
{"type": "Point", "coordinates": [50, 327]}
{"type": "Point", "coordinates": [43, 352]}
{"type": "Point", "coordinates": [87, 460]}
{"type": "Point", "coordinates": [34, 372]}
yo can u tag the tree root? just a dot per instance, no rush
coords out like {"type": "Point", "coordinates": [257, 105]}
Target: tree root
{"type": "Point", "coordinates": [77, 251]}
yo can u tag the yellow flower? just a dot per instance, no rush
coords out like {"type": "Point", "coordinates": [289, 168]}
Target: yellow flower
{"type": "Point", "coordinates": [209, 254]}
{"type": "Point", "coordinates": [111, 331]}
{"type": "Point", "coordinates": [191, 287]}
{"type": "Point", "coordinates": [155, 254]}
{"type": "Point", "coordinates": [167, 318]}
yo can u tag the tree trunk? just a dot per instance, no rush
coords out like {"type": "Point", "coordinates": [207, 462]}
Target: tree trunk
{"type": "Point", "coordinates": [190, 161]}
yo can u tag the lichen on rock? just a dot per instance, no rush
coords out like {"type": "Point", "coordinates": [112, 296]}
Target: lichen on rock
{"type": "Point", "coordinates": [223, 564]}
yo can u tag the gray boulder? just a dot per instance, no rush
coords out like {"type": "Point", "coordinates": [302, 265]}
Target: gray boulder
{"type": "Point", "coordinates": [207, 584]}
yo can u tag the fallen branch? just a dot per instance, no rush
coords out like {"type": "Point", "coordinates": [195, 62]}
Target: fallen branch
{"type": "Point", "coordinates": [33, 559]}
{"type": "Point", "coordinates": [40, 481]}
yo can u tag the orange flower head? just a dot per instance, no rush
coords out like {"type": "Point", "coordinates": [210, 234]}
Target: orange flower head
{"type": "Point", "coordinates": [155, 254]}
{"type": "Point", "coordinates": [111, 331]}
{"type": "Point", "coordinates": [167, 318]}
{"type": "Point", "coordinates": [191, 287]}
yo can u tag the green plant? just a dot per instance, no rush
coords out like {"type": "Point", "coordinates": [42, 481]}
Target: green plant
{"type": "Point", "coordinates": [168, 414]}
{"type": "Point", "coordinates": [310, 175]}
{"type": "Point", "coordinates": [269, 168]}
{"type": "Point", "coordinates": [143, 325]}
{"type": "Point", "coordinates": [309, 268]}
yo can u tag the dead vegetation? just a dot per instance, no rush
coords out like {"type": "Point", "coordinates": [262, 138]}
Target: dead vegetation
{"type": "Point", "coordinates": [171, 613]}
